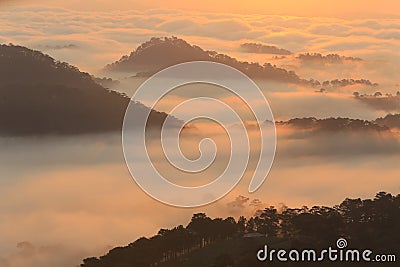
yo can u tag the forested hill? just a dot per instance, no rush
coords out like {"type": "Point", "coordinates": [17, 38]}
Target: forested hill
{"type": "Point", "coordinates": [338, 124]}
{"type": "Point", "coordinates": [159, 53]}
{"type": "Point", "coordinates": [369, 223]}
{"type": "Point", "coordinates": [20, 65]}
{"type": "Point", "coordinates": [39, 95]}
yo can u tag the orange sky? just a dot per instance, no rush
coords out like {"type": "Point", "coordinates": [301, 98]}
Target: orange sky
{"type": "Point", "coordinates": [329, 8]}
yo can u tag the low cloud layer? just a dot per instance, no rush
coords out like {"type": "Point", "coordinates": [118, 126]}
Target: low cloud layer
{"type": "Point", "coordinates": [77, 198]}
{"type": "Point", "coordinates": [102, 37]}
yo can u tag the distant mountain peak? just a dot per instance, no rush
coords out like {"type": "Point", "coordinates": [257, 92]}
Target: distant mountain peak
{"type": "Point", "coordinates": [258, 48]}
{"type": "Point", "coordinates": [159, 53]}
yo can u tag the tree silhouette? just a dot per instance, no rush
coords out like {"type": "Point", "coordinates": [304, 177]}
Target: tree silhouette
{"type": "Point", "coordinates": [370, 223]}
{"type": "Point", "coordinates": [268, 221]}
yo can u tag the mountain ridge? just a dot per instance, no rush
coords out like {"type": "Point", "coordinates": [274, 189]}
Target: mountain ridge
{"type": "Point", "coordinates": [159, 53]}
{"type": "Point", "coordinates": [39, 95]}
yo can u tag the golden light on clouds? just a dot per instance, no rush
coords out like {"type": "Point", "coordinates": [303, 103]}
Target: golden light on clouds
{"type": "Point", "coordinates": [79, 187]}
{"type": "Point", "coordinates": [328, 8]}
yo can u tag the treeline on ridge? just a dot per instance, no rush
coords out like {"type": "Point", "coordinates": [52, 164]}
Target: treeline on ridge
{"type": "Point", "coordinates": [369, 223]}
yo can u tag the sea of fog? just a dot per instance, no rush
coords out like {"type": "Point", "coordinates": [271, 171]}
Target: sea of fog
{"type": "Point", "coordinates": [63, 199]}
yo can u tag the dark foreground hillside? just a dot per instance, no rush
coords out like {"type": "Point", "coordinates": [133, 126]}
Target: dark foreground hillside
{"type": "Point", "coordinates": [372, 224]}
{"type": "Point", "coordinates": [39, 95]}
